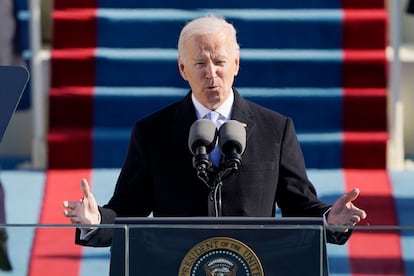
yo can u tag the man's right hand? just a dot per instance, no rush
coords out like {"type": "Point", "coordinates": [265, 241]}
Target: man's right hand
{"type": "Point", "coordinates": [85, 210]}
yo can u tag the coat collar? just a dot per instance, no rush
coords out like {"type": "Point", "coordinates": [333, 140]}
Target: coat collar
{"type": "Point", "coordinates": [185, 115]}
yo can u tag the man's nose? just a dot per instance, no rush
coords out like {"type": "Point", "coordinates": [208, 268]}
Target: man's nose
{"type": "Point", "coordinates": [211, 71]}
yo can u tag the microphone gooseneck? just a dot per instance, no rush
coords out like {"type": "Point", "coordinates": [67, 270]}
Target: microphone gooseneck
{"type": "Point", "coordinates": [232, 142]}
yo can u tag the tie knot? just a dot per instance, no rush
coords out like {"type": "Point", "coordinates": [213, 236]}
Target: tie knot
{"type": "Point", "coordinates": [214, 115]}
{"type": "Point", "coordinates": [216, 118]}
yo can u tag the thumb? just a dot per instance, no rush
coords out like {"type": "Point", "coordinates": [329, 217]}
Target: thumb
{"type": "Point", "coordinates": [85, 187]}
{"type": "Point", "coordinates": [351, 196]}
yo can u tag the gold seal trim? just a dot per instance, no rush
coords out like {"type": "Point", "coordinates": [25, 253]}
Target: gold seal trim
{"type": "Point", "coordinates": [224, 244]}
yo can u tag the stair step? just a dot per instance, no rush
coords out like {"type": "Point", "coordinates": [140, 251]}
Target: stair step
{"type": "Point", "coordinates": [268, 68]}
{"type": "Point", "coordinates": [190, 4]}
{"type": "Point", "coordinates": [310, 108]}
{"type": "Point", "coordinates": [365, 150]}
{"type": "Point", "coordinates": [365, 109]}
{"type": "Point", "coordinates": [298, 28]}
{"type": "Point", "coordinates": [69, 148]}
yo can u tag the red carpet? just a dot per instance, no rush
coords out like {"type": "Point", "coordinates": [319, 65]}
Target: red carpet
{"type": "Point", "coordinates": [71, 94]}
{"type": "Point", "coordinates": [364, 84]}
{"type": "Point", "coordinates": [374, 253]}
{"type": "Point", "coordinates": [54, 251]}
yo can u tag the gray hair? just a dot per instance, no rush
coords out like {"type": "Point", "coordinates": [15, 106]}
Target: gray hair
{"type": "Point", "coordinates": [206, 25]}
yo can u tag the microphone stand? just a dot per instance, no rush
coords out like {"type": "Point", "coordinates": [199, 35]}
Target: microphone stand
{"type": "Point", "coordinates": [228, 169]}
{"type": "Point", "coordinates": [217, 199]}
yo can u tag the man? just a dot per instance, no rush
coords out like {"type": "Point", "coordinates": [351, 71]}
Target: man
{"type": "Point", "coordinates": [158, 175]}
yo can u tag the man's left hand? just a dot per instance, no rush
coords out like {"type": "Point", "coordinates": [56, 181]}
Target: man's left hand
{"type": "Point", "coordinates": [345, 213]}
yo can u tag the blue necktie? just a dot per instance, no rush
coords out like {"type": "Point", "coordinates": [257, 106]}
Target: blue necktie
{"type": "Point", "coordinates": [217, 119]}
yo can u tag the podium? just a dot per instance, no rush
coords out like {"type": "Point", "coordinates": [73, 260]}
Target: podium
{"type": "Point", "coordinates": [219, 246]}
{"type": "Point", "coordinates": [13, 80]}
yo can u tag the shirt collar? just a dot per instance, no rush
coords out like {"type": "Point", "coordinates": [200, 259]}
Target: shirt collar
{"type": "Point", "coordinates": [224, 109]}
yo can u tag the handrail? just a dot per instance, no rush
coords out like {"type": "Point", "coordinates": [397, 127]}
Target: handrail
{"type": "Point", "coordinates": [396, 125]}
{"type": "Point", "coordinates": [37, 86]}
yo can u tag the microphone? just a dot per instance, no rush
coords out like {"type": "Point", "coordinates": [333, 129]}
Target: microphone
{"type": "Point", "coordinates": [232, 142]}
{"type": "Point", "coordinates": [201, 141]}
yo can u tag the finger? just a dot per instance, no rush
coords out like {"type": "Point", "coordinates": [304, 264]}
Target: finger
{"type": "Point", "coordinates": [69, 204]}
{"type": "Point", "coordinates": [351, 196]}
{"type": "Point", "coordinates": [69, 213]}
{"type": "Point", "coordinates": [355, 219]}
{"type": "Point", "coordinates": [75, 220]}
{"type": "Point", "coordinates": [361, 213]}
{"type": "Point", "coordinates": [85, 187]}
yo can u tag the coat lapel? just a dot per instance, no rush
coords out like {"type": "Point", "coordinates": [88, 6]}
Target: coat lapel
{"type": "Point", "coordinates": [243, 113]}
{"type": "Point", "coordinates": [183, 118]}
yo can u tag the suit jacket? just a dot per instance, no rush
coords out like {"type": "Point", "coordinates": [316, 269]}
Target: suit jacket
{"type": "Point", "coordinates": [158, 175]}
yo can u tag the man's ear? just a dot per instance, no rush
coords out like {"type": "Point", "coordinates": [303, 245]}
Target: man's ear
{"type": "Point", "coordinates": [181, 69]}
{"type": "Point", "coordinates": [237, 63]}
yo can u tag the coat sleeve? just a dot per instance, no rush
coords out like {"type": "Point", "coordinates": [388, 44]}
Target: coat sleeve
{"type": "Point", "coordinates": [132, 182]}
{"type": "Point", "coordinates": [102, 237]}
{"type": "Point", "coordinates": [296, 195]}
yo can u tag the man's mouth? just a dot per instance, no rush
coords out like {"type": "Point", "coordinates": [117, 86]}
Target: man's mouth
{"type": "Point", "coordinates": [212, 87]}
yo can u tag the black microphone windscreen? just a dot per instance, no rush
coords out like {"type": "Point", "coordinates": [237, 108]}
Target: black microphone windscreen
{"type": "Point", "coordinates": [203, 132]}
{"type": "Point", "coordinates": [232, 134]}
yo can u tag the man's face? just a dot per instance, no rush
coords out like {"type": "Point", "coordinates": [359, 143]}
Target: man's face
{"type": "Point", "coordinates": [210, 64]}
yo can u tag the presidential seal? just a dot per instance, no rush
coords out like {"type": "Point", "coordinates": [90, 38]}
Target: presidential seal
{"type": "Point", "coordinates": [221, 256]}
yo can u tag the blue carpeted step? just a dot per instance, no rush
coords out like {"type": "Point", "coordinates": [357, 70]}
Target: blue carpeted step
{"type": "Point", "coordinates": [159, 28]}
{"type": "Point", "coordinates": [190, 4]}
{"type": "Point", "coordinates": [158, 67]}
{"type": "Point", "coordinates": [257, 28]}
{"type": "Point", "coordinates": [315, 110]}
{"type": "Point", "coordinates": [321, 150]}
{"type": "Point", "coordinates": [266, 68]}
{"type": "Point", "coordinates": [109, 146]}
